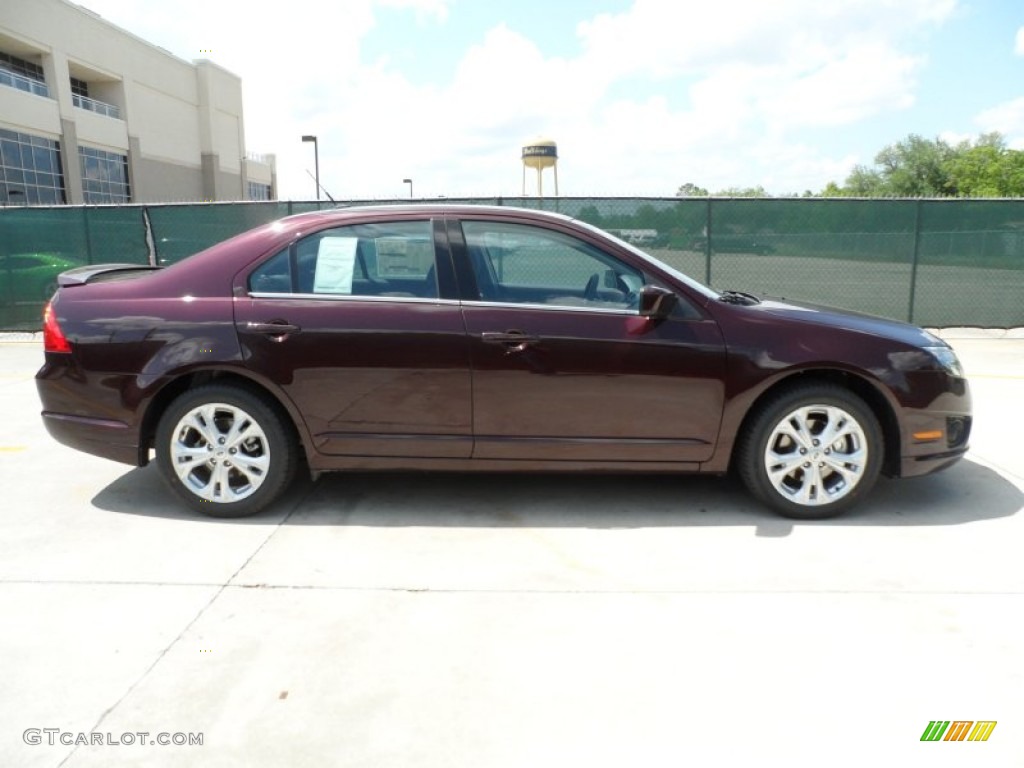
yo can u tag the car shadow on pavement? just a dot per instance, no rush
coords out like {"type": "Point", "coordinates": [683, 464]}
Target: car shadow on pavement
{"type": "Point", "coordinates": [967, 492]}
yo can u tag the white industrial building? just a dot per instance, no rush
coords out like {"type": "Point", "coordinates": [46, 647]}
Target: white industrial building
{"type": "Point", "coordinates": [89, 113]}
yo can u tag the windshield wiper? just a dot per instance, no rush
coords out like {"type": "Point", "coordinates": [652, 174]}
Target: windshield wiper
{"type": "Point", "coordinates": [738, 297]}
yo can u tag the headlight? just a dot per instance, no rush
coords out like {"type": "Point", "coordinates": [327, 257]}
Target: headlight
{"type": "Point", "coordinates": [946, 358]}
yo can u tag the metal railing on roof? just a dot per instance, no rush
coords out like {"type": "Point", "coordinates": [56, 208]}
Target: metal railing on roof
{"type": "Point", "coordinates": [92, 105]}
{"type": "Point", "coordinates": [22, 83]}
{"type": "Point", "coordinates": [258, 158]}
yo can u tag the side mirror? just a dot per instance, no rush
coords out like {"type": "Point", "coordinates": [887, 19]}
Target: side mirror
{"type": "Point", "coordinates": [656, 303]}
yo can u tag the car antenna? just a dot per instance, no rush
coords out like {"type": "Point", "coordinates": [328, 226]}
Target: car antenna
{"type": "Point", "coordinates": [322, 187]}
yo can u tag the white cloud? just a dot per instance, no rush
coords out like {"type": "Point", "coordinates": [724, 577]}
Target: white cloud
{"type": "Point", "coordinates": [729, 74]}
{"type": "Point", "coordinates": [849, 87]}
{"type": "Point", "coordinates": [678, 38]}
{"type": "Point", "coordinates": [1008, 119]}
{"type": "Point", "coordinates": [956, 137]}
{"type": "Point", "coordinates": [721, 90]}
{"type": "Point", "coordinates": [301, 71]}
{"type": "Point", "coordinates": [1018, 47]}
{"type": "Point", "coordinates": [425, 9]}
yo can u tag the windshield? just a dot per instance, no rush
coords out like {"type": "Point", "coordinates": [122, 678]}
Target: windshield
{"type": "Point", "coordinates": [680, 276]}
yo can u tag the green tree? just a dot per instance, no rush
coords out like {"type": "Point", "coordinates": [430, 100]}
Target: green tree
{"type": "Point", "coordinates": [690, 189]}
{"type": "Point", "coordinates": [591, 215]}
{"type": "Point", "coordinates": [865, 182]}
{"type": "Point", "coordinates": [987, 168]}
{"type": "Point", "coordinates": [919, 167]}
{"type": "Point", "coordinates": [757, 191]}
{"type": "Point", "coordinates": [916, 167]}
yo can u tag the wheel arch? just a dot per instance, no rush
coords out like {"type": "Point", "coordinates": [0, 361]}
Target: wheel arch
{"type": "Point", "coordinates": [186, 381]}
{"type": "Point", "coordinates": [875, 399]}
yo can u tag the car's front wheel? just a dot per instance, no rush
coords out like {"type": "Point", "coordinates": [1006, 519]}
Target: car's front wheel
{"type": "Point", "coordinates": [224, 450]}
{"type": "Point", "coordinates": [811, 452]}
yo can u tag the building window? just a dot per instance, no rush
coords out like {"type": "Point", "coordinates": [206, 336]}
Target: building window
{"type": "Point", "coordinates": [104, 176]}
{"type": "Point", "coordinates": [23, 75]}
{"type": "Point", "coordinates": [22, 67]}
{"type": "Point", "coordinates": [80, 98]}
{"type": "Point", "coordinates": [259, 191]}
{"type": "Point", "coordinates": [30, 171]}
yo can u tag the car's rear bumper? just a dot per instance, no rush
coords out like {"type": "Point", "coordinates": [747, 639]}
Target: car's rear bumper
{"type": "Point", "coordinates": [108, 439]}
{"type": "Point", "coordinates": [84, 411]}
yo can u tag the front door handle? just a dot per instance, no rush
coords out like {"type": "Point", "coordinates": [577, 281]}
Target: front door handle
{"type": "Point", "coordinates": [513, 341]}
{"type": "Point", "coordinates": [274, 328]}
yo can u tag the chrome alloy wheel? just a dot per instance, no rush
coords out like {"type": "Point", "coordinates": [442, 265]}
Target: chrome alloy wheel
{"type": "Point", "coordinates": [220, 453]}
{"type": "Point", "coordinates": [816, 455]}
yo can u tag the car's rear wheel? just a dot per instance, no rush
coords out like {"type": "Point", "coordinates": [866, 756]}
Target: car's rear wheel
{"type": "Point", "coordinates": [811, 452]}
{"type": "Point", "coordinates": [225, 451]}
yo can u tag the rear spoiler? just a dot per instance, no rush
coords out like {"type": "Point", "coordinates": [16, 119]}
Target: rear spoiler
{"type": "Point", "coordinates": [95, 273]}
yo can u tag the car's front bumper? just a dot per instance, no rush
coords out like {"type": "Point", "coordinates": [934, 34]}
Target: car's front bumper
{"type": "Point", "coordinates": [937, 436]}
{"type": "Point", "coordinates": [914, 466]}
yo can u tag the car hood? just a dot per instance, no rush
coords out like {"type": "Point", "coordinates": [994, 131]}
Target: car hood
{"type": "Point", "coordinates": [844, 319]}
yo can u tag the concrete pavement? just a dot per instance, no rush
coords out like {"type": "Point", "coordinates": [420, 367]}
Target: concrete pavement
{"type": "Point", "coordinates": [486, 620]}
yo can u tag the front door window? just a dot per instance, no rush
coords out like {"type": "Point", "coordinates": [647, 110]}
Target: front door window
{"type": "Point", "coordinates": [520, 264]}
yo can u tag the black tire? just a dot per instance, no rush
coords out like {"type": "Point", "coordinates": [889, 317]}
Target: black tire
{"type": "Point", "coordinates": [237, 479]}
{"type": "Point", "coordinates": [812, 480]}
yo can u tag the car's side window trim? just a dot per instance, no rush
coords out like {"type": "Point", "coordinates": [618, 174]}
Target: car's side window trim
{"type": "Point", "coordinates": [467, 289]}
{"type": "Point", "coordinates": [293, 264]}
{"type": "Point", "coordinates": [551, 307]}
{"type": "Point", "coordinates": [447, 280]}
{"type": "Point", "coordinates": [449, 302]}
{"type": "Point", "coordinates": [351, 298]}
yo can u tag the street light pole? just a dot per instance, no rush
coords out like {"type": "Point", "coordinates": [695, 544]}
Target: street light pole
{"type": "Point", "coordinates": [409, 182]}
{"type": "Point", "coordinates": [316, 161]}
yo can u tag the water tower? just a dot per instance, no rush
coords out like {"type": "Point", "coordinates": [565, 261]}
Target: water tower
{"type": "Point", "coordinates": [540, 154]}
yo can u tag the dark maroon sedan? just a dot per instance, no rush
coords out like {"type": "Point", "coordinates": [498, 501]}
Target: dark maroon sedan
{"type": "Point", "coordinates": [463, 337]}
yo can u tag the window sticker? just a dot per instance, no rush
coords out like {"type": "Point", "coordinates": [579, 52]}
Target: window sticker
{"type": "Point", "coordinates": [404, 257]}
{"type": "Point", "coordinates": [335, 263]}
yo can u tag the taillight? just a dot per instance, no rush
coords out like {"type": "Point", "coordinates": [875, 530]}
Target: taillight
{"type": "Point", "coordinates": [54, 339]}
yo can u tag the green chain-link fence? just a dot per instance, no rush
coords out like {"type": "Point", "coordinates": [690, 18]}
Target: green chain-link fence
{"type": "Point", "coordinates": [934, 262]}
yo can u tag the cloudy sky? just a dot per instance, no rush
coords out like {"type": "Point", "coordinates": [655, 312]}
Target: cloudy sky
{"type": "Point", "coordinates": [641, 95]}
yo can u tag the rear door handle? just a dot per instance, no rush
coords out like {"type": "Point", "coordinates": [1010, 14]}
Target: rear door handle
{"type": "Point", "coordinates": [274, 328]}
{"type": "Point", "coordinates": [513, 341]}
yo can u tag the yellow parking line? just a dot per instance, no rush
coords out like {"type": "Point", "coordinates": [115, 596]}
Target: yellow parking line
{"type": "Point", "coordinates": [12, 448]}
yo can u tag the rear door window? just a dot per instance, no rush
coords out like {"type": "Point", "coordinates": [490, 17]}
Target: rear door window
{"type": "Point", "coordinates": [391, 259]}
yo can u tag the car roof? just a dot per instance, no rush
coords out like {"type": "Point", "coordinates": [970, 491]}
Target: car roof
{"type": "Point", "coordinates": [434, 209]}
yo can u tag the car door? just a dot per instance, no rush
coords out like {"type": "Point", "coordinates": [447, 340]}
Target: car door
{"type": "Point", "coordinates": [359, 328]}
{"type": "Point", "coordinates": [564, 366]}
